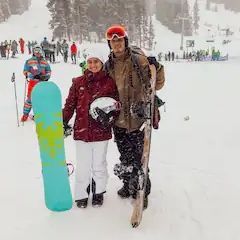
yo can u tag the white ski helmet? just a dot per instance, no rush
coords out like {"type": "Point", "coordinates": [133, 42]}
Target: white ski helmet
{"type": "Point", "coordinates": [37, 49]}
{"type": "Point", "coordinates": [96, 53]}
{"type": "Point", "coordinates": [107, 104]}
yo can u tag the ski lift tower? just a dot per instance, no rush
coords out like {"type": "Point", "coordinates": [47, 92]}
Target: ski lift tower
{"type": "Point", "coordinates": [183, 18]}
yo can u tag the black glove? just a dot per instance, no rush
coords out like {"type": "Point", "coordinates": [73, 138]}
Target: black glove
{"type": "Point", "coordinates": [67, 130]}
{"type": "Point", "coordinates": [38, 76]}
{"type": "Point", "coordinates": [153, 60]}
{"type": "Point", "coordinates": [44, 78]}
{"type": "Point", "coordinates": [139, 109]}
{"type": "Point", "coordinates": [41, 77]}
{"type": "Point", "coordinates": [104, 118]}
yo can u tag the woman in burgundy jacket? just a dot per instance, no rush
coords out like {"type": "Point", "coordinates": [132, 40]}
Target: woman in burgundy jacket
{"type": "Point", "coordinates": [91, 135]}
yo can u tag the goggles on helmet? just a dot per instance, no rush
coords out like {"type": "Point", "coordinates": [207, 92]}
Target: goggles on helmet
{"type": "Point", "coordinates": [37, 50]}
{"type": "Point", "coordinates": [115, 31]}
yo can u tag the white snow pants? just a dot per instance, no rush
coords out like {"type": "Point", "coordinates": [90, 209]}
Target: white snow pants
{"type": "Point", "coordinates": [91, 164]}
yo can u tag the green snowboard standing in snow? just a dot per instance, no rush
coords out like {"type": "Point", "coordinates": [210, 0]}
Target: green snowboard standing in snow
{"type": "Point", "coordinates": [47, 108]}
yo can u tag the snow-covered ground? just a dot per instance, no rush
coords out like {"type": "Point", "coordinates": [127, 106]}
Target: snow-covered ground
{"type": "Point", "coordinates": [194, 164]}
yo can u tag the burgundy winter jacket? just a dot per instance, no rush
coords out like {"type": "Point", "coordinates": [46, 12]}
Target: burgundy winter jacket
{"type": "Point", "coordinates": [83, 92]}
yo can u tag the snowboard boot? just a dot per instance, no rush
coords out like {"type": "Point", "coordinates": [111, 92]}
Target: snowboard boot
{"type": "Point", "coordinates": [97, 200]}
{"type": "Point", "coordinates": [124, 191]}
{"type": "Point", "coordinates": [82, 203]}
{"type": "Point", "coordinates": [24, 118]}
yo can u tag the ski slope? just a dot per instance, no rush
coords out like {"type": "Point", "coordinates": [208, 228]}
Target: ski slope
{"type": "Point", "coordinates": [31, 25]}
{"type": "Point", "coordinates": [194, 164]}
{"type": "Point", "coordinates": [210, 25]}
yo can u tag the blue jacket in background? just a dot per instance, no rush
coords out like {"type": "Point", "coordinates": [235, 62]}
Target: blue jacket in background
{"type": "Point", "coordinates": [36, 66]}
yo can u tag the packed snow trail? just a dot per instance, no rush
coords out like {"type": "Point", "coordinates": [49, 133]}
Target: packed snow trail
{"type": "Point", "coordinates": [194, 164]}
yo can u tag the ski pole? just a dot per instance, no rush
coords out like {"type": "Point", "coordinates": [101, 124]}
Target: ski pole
{"type": "Point", "coordinates": [15, 91]}
{"type": "Point", "coordinates": [24, 97]}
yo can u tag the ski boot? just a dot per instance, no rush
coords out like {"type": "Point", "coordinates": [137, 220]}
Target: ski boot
{"type": "Point", "coordinates": [97, 200]}
{"type": "Point", "coordinates": [124, 191]}
{"type": "Point", "coordinates": [24, 118]}
{"type": "Point", "coordinates": [82, 203]}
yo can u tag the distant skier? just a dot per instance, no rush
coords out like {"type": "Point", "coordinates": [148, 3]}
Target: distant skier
{"type": "Point", "coordinates": [14, 47]}
{"type": "Point", "coordinates": [169, 56]}
{"type": "Point", "coordinates": [65, 48]}
{"type": "Point", "coordinates": [3, 50]}
{"type": "Point", "coordinates": [8, 47]}
{"type": "Point", "coordinates": [59, 48]}
{"type": "Point", "coordinates": [45, 47]}
{"type": "Point", "coordinates": [173, 56]}
{"type": "Point", "coordinates": [52, 50]}
{"type": "Point", "coordinates": [29, 45]}
{"type": "Point", "coordinates": [159, 57]}
{"type": "Point", "coordinates": [36, 69]}
{"type": "Point", "coordinates": [198, 55]}
{"type": "Point", "coordinates": [22, 45]}
{"type": "Point", "coordinates": [74, 53]}
{"type": "Point", "coordinates": [91, 135]}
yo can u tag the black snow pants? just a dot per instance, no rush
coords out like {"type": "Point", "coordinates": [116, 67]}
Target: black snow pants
{"type": "Point", "coordinates": [130, 147]}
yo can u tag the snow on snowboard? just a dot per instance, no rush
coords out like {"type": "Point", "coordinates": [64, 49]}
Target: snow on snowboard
{"type": "Point", "coordinates": [47, 108]}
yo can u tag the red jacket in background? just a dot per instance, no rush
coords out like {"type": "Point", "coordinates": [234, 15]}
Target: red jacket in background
{"type": "Point", "coordinates": [21, 42]}
{"type": "Point", "coordinates": [83, 92]}
{"type": "Point", "coordinates": [73, 49]}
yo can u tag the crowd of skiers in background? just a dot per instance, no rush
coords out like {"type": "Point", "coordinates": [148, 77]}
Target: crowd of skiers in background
{"type": "Point", "coordinates": [52, 49]}
{"type": "Point", "coordinates": [10, 49]}
{"type": "Point", "coordinates": [199, 55]}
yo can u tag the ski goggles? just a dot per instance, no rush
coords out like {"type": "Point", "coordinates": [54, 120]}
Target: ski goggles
{"type": "Point", "coordinates": [37, 50]}
{"type": "Point", "coordinates": [115, 31]}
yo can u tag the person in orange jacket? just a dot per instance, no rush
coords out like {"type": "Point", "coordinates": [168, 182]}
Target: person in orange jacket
{"type": "Point", "coordinates": [73, 52]}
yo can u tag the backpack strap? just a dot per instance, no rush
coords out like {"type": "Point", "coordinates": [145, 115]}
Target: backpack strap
{"type": "Point", "coordinates": [106, 66]}
{"type": "Point", "coordinates": [137, 67]}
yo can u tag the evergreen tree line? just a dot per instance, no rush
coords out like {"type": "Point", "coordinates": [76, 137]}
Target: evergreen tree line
{"type": "Point", "coordinates": [233, 5]}
{"type": "Point", "coordinates": [172, 13]}
{"type": "Point", "coordinates": [9, 7]}
{"type": "Point", "coordinates": [87, 20]}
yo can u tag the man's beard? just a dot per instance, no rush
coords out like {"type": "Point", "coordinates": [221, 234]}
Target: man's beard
{"type": "Point", "coordinates": [119, 50]}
